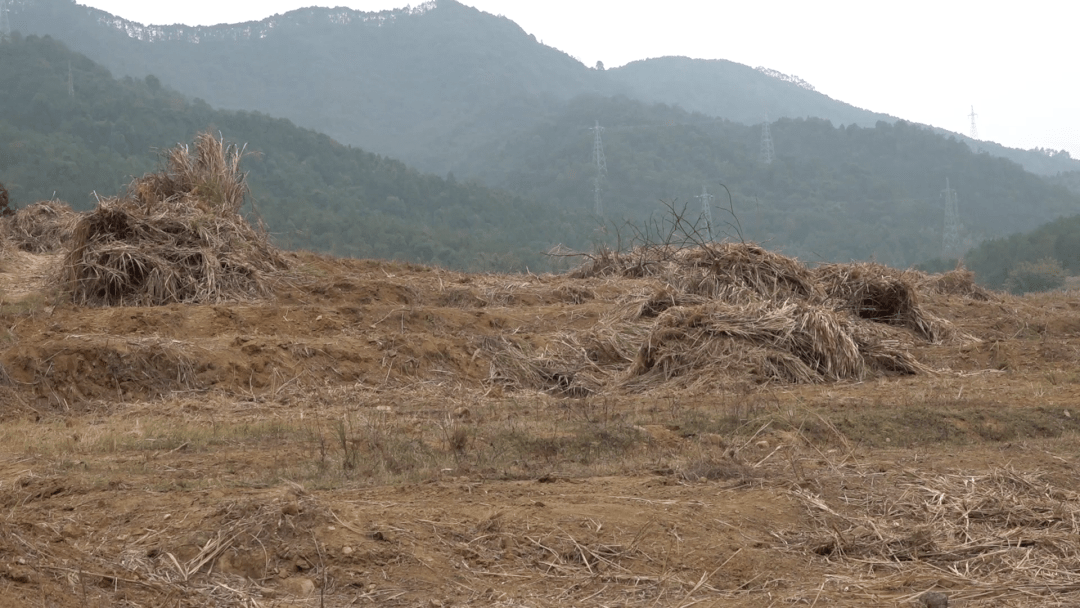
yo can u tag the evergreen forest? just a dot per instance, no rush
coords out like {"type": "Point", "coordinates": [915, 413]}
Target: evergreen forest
{"type": "Point", "coordinates": [70, 131]}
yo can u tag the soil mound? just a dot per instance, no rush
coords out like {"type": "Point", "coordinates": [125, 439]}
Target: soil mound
{"type": "Point", "coordinates": [176, 236]}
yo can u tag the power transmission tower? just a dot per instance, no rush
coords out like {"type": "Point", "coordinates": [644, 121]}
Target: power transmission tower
{"type": "Point", "coordinates": [5, 25]}
{"type": "Point", "coordinates": [706, 210]}
{"type": "Point", "coordinates": [974, 129]}
{"type": "Point", "coordinates": [71, 82]}
{"type": "Point", "coordinates": [767, 153]}
{"type": "Point", "coordinates": [601, 169]}
{"type": "Point", "coordinates": [950, 239]}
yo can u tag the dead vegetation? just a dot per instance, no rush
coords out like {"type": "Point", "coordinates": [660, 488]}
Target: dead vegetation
{"type": "Point", "coordinates": [43, 227]}
{"type": "Point", "coordinates": [719, 312]}
{"type": "Point", "coordinates": [176, 236]}
{"type": "Point", "coordinates": [402, 436]}
{"type": "Point", "coordinates": [708, 424]}
{"type": "Point", "coordinates": [999, 535]}
{"type": "Point", "coordinates": [957, 282]}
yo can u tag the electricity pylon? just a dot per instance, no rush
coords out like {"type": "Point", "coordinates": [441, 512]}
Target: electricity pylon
{"type": "Point", "coordinates": [950, 239]}
{"type": "Point", "coordinates": [767, 153]}
{"type": "Point", "coordinates": [5, 25]}
{"type": "Point", "coordinates": [706, 210]}
{"type": "Point", "coordinates": [974, 129]}
{"type": "Point", "coordinates": [601, 169]}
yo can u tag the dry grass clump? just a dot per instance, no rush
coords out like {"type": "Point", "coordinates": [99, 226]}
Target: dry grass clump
{"type": "Point", "coordinates": [43, 227]}
{"type": "Point", "coordinates": [175, 236]}
{"type": "Point", "coordinates": [958, 282]}
{"type": "Point", "coordinates": [881, 294]}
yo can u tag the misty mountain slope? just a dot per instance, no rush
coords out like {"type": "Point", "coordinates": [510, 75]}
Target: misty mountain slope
{"type": "Point", "coordinates": [731, 90]}
{"type": "Point", "coordinates": [313, 192]}
{"type": "Point", "coordinates": [832, 194]}
{"type": "Point", "coordinates": [427, 84]}
{"type": "Point", "coordinates": [422, 84]}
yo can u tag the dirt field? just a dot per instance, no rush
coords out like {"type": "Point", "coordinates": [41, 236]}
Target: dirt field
{"type": "Point", "coordinates": [361, 438]}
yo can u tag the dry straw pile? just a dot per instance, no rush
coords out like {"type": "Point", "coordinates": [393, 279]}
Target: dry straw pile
{"type": "Point", "coordinates": [175, 236]}
{"type": "Point", "coordinates": [958, 282]}
{"type": "Point", "coordinates": [44, 227]}
{"type": "Point", "coordinates": [719, 310]}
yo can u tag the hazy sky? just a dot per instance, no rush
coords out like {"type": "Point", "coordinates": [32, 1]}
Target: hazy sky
{"type": "Point", "coordinates": [926, 61]}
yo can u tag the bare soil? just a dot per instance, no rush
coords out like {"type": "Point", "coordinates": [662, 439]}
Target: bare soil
{"type": "Point", "coordinates": [347, 443]}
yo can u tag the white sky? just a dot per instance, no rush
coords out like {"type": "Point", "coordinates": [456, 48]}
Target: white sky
{"type": "Point", "coordinates": [927, 61]}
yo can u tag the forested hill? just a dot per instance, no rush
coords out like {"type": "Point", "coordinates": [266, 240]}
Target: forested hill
{"type": "Point", "coordinates": [426, 84]}
{"type": "Point", "coordinates": [68, 128]}
{"type": "Point", "coordinates": [423, 85]}
{"type": "Point", "coordinates": [832, 194]}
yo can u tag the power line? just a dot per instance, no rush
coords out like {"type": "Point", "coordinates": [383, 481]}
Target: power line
{"type": "Point", "coordinates": [974, 129]}
{"type": "Point", "coordinates": [706, 210]}
{"type": "Point", "coordinates": [601, 169]}
{"type": "Point", "coordinates": [767, 153]}
{"type": "Point", "coordinates": [950, 238]}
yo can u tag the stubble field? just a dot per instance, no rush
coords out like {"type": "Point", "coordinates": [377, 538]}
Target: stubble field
{"type": "Point", "coordinates": [376, 433]}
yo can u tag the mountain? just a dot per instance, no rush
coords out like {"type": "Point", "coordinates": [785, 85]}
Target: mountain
{"type": "Point", "coordinates": [423, 84]}
{"type": "Point", "coordinates": [426, 84]}
{"type": "Point", "coordinates": [832, 193]}
{"type": "Point", "coordinates": [733, 91]}
{"type": "Point", "coordinates": [68, 129]}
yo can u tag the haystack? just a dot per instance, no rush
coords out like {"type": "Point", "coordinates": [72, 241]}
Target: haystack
{"type": "Point", "coordinates": [685, 339]}
{"type": "Point", "coordinates": [175, 236]}
{"type": "Point", "coordinates": [957, 282]}
{"type": "Point", "coordinates": [712, 270]}
{"type": "Point", "coordinates": [718, 312]}
{"type": "Point", "coordinates": [44, 227]}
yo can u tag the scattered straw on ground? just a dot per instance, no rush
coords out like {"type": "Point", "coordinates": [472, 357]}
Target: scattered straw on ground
{"type": "Point", "coordinates": [1003, 534]}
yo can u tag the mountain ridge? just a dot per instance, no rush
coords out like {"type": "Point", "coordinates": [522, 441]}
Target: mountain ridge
{"type": "Point", "coordinates": [426, 84]}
